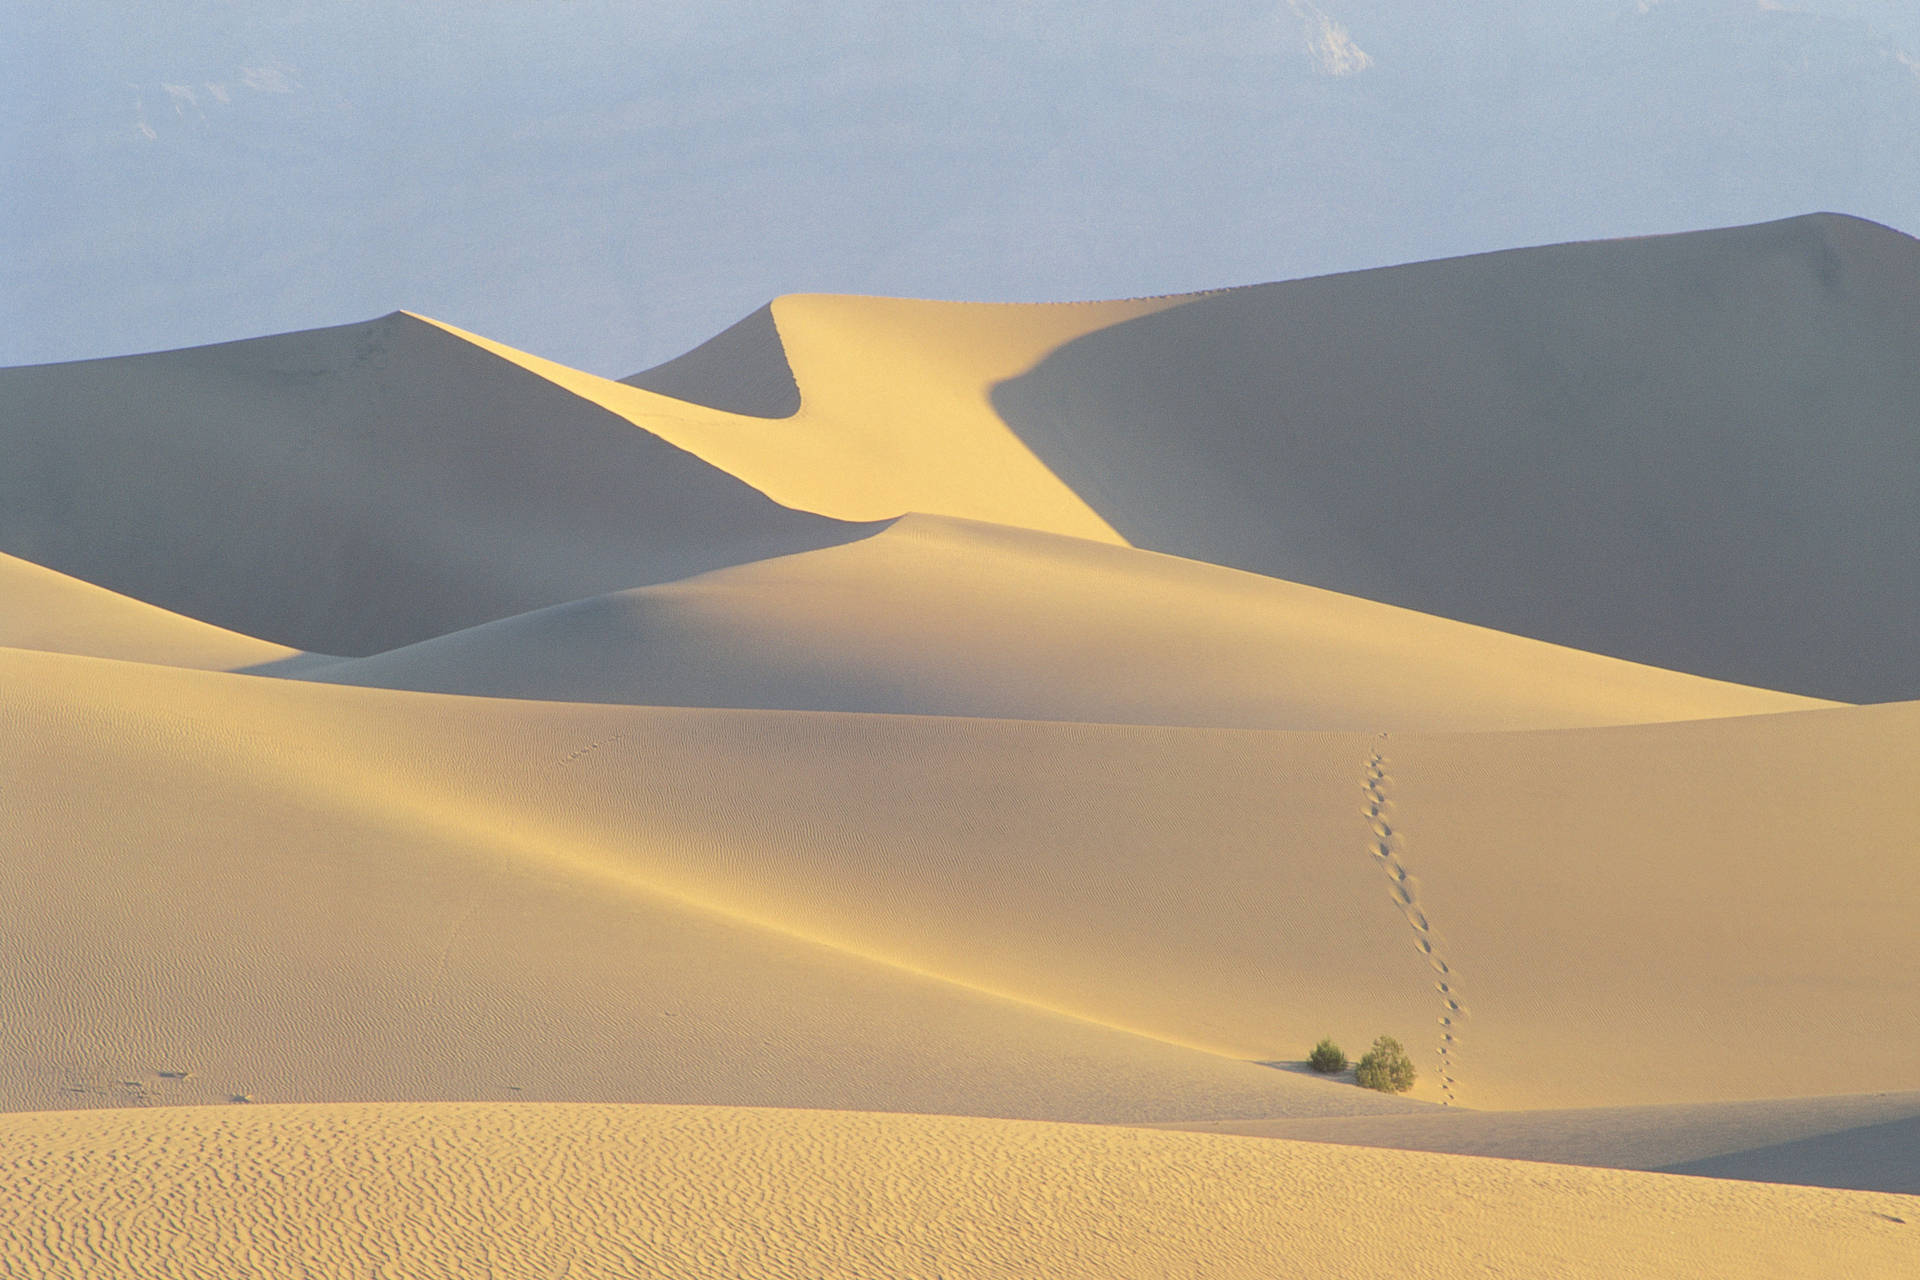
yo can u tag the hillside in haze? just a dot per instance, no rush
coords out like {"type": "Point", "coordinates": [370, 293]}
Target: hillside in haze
{"type": "Point", "coordinates": [921, 776]}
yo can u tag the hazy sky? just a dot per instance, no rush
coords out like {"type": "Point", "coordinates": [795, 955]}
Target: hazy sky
{"type": "Point", "coordinates": [609, 183]}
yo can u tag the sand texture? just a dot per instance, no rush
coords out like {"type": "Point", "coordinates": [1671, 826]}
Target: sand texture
{"type": "Point", "coordinates": [899, 789]}
{"type": "Point", "coordinates": [486, 1189]}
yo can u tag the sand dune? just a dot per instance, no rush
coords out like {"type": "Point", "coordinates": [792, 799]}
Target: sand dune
{"type": "Point", "coordinates": [894, 412]}
{"type": "Point", "coordinates": [669, 1191]}
{"type": "Point", "coordinates": [791, 725]}
{"type": "Point", "coordinates": [1688, 451]}
{"type": "Point", "coordinates": [1702, 887]}
{"type": "Point", "coordinates": [353, 489]}
{"type": "Point", "coordinates": [943, 617]}
{"type": "Point", "coordinates": [283, 904]}
{"type": "Point", "coordinates": [1860, 1141]}
{"type": "Point", "coordinates": [1694, 451]}
{"type": "Point", "coordinates": [42, 609]}
{"type": "Point", "coordinates": [743, 370]}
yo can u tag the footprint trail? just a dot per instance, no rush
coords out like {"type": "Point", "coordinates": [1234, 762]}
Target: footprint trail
{"type": "Point", "coordinates": [1385, 846]}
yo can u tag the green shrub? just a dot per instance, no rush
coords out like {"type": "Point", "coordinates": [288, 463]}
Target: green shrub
{"type": "Point", "coordinates": [1327, 1058]}
{"type": "Point", "coordinates": [1386, 1067]}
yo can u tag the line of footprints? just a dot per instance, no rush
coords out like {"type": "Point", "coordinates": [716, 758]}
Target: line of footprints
{"type": "Point", "coordinates": [1385, 848]}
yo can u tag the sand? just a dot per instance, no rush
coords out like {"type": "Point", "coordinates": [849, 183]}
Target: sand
{"type": "Point", "coordinates": [352, 489]}
{"type": "Point", "coordinates": [936, 616]}
{"type": "Point", "coordinates": [1851, 1140]}
{"type": "Point", "coordinates": [1694, 451]}
{"type": "Point", "coordinates": [1034, 859]}
{"type": "Point", "coordinates": [489, 1189]}
{"type": "Point", "coordinates": [1012, 734]}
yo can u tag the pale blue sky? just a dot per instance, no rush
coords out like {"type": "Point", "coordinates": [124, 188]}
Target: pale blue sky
{"type": "Point", "coordinates": [607, 184]}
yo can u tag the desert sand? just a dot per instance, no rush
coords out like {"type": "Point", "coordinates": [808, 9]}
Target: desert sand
{"type": "Point", "coordinates": [899, 789]}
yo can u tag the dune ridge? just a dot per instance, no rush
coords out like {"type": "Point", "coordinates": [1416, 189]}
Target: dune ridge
{"type": "Point", "coordinates": [936, 616]}
{"type": "Point", "coordinates": [349, 490]}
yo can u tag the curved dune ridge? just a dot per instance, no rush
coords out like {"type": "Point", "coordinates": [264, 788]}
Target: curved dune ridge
{"type": "Point", "coordinates": [599, 1190]}
{"type": "Point", "coordinates": [393, 719]}
{"type": "Point", "coordinates": [935, 616]}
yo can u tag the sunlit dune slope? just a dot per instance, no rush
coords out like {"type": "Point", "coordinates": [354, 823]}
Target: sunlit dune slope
{"type": "Point", "coordinates": [893, 412]}
{"type": "Point", "coordinates": [1696, 451]}
{"type": "Point", "coordinates": [1727, 904]}
{"type": "Point", "coordinates": [352, 489]}
{"type": "Point", "coordinates": [1686, 912]}
{"type": "Point", "coordinates": [698, 1192]}
{"type": "Point", "coordinates": [1863, 1141]}
{"type": "Point", "coordinates": [272, 899]}
{"type": "Point", "coordinates": [42, 609]}
{"type": "Point", "coordinates": [948, 617]}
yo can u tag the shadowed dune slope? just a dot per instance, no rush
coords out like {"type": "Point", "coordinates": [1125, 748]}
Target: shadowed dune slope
{"type": "Point", "coordinates": [42, 609]}
{"type": "Point", "coordinates": [947, 617]}
{"type": "Point", "coordinates": [1687, 912]}
{"type": "Point", "coordinates": [1873, 1157]}
{"type": "Point", "coordinates": [1860, 1141]}
{"type": "Point", "coordinates": [742, 369]}
{"type": "Point", "coordinates": [697, 1192]}
{"type": "Point", "coordinates": [1695, 451]}
{"type": "Point", "coordinates": [352, 489]}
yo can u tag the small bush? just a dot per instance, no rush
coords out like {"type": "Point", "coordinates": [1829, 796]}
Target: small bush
{"type": "Point", "coordinates": [1326, 1058]}
{"type": "Point", "coordinates": [1386, 1067]}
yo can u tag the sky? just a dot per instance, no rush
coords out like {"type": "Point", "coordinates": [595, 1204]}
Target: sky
{"type": "Point", "coordinates": [608, 184]}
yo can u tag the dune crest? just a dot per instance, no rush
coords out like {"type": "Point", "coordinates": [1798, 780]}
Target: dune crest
{"type": "Point", "coordinates": [936, 616]}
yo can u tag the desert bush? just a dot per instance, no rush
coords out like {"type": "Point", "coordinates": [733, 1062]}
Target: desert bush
{"type": "Point", "coordinates": [1327, 1058]}
{"type": "Point", "coordinates": [1386, 1067]}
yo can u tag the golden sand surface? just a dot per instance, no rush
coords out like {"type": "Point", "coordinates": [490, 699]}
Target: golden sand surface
{"type": "Point", "coordinates": [937, 616]}
{"type": "Point", "coordinates": [1224, 890]}
{"type": "Point", "coordinates": [520, 1190]}
{"type": "Point", "coordinates": [456, 811]}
